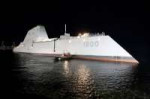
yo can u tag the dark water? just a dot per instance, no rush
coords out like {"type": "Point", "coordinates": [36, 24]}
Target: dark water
{"type": "Point", "coordinates": [34, 76]}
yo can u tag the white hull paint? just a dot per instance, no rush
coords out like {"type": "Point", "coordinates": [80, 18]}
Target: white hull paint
{"type": "Point", "coordinates": [97, 47]}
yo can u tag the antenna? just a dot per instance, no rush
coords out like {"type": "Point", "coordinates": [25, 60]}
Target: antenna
{"type": "Point", "coordinates": [65, 28]}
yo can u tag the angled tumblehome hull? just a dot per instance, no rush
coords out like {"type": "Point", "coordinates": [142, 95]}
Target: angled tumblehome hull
{"type": "Point", "coordinates": [98, 47]}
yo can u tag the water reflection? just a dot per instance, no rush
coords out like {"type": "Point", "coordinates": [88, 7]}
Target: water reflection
{"type": "Point", "coordinates": [66, 68]}
{"type": "Point", "coordinates": [72, 79]}
{"type": "Point", "coordinates": [83, 75]}
{"type": "Point", "coordinates": [85, 83]}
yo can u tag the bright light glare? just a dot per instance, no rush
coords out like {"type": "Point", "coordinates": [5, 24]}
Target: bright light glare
{"type": "Point", "coordinates": [85, 35]}
{"type": "Point", "coordinates": [69, 41]}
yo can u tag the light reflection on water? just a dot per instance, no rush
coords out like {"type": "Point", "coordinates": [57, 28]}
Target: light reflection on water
{"type": "Point", "coordinates": [42, 76]}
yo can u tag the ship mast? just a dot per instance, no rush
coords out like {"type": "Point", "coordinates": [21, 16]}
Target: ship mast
{"type": "Point", "coordinates": [65, 28]}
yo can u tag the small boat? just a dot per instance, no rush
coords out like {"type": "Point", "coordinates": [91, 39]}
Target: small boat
{"type": "Point", "coordinates": [65, 56]}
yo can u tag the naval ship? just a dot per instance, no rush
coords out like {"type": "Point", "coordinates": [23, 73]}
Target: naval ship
{"type": "Point", "coordinates": [99, 47]}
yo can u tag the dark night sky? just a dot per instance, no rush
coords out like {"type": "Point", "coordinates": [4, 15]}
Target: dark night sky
{"type": "Point", "coordinates": [125, 21]}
